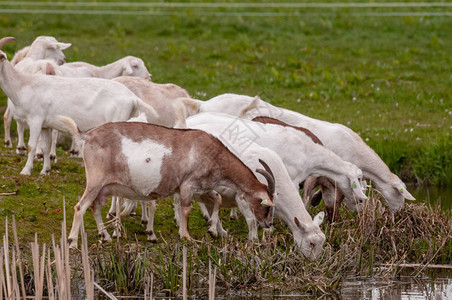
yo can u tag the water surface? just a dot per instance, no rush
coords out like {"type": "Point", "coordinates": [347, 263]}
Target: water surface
{"type": "Point", "coordinates": [432, 195]}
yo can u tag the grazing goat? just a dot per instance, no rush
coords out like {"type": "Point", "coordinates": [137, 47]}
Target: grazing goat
{"type": "Point", "coordinates": [332, 197]}
{"type": "Point", "coordinates": [147, 162]}
{"type": "Point", "coordinates": [336, 137]}
{"type": "Point", "coordinates": [288, 204]}
{"type": "Point", "coordinates": [302, 157]}
{"type": "Point", "coordinates": [126, 66]}
{"type": "Point", "coordinates": [162, 97]}
{"type": "Point", "coordinates": [38, 99]}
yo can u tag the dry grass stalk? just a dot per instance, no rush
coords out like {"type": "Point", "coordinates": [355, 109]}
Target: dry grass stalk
{"type": "Point", "coordinates": [117, 219]}
{"type": "Point", "coordinates": [148, 287]}
{"type": "Point", "coordinates": [109, 295]}
{"type": "Point", "coordinates": [15, 284]}
{"type": "Point", "coordinates": [38, 267]}
{"type": "Point", "coordinates": [184, 273]}
{"type": "Point", "coordinates": [19, 261]}
{"type": "Point", "coordinates": [59, 267]}
{"type": "Point", "coordinates": [212, 280]}
{"type": "Point", "coordinates": [87, 268]}
{"type": "Point", "coordinates": [61, 254]}
{"type": "Point", "coordinates": [65, 249]}
{"type": "Point", "coordinates": [50, 287]}
{"type": "Point", "coordinates": [152, 286]}
{"type": "Point", "coordinates": [2, 278]}
{"type": "Point", "coordinates": [8, 288]}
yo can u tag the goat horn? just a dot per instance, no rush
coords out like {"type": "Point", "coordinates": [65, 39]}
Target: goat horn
{"type": "Point", "coordinates": [271, 183]}
{"type": "Point", "coordinates": [267, 168]}
{"type": "Point", "coordinates": [6, 40]}
{"type": "Point", "coordinates": [270, 180]}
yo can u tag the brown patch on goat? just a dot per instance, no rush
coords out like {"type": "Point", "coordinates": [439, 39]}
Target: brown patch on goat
{"type": "Point", "coordinates": [268, 120]}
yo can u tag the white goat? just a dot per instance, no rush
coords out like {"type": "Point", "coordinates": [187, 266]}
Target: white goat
{"type": "Point", "coordinates": [43, 47]}
{"type": "Point", "coordinates": [129, 65]}
{"type": "Point", "coordinates": [301, 156]}
{"type": "Point", "coordinates": [126, 66]}
{"type": "Point", "coordinates": [162, 97]}
{"type": "Point", "coordinates": [336, 137]}
{"type": "Point", "coordinates": [38, 99]}
{"type": "Point", "coordinates": [148, 162]}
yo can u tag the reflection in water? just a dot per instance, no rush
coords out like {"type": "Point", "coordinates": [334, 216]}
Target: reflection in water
{"type": "Point", "coordinates": [432, 195]}
{"type": "Point", "coordinates": [404, 288]}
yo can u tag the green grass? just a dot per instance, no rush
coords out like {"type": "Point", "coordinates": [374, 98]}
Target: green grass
{"type": "Point", "coordinates": [387, 78]}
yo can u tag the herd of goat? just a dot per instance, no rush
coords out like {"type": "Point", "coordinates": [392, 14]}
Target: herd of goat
{"type": "Point", "coordinates": [146, 141]}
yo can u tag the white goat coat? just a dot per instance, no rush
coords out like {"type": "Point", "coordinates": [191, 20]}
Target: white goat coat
{"type": "Point", "coordinates": [301, 156]}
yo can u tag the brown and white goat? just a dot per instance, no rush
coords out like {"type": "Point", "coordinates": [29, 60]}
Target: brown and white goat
{"type": "Point", "coordinates": [147, 162]}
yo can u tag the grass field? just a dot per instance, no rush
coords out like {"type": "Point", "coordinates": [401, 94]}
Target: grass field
{"type": "Point", "coordinates": [386, 77]}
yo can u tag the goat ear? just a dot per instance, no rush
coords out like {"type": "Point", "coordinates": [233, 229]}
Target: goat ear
{"type": "Point", "coordinates": [50, 70]}
{"type": "Point", "coordinates": [301, 226]}
{"type": "Point", "coordinates": [59, 46]}
{"type": "Point", "coordinates": [318, 219]}
{"type": "Point", "coordinates": [402, 190]}
{"type": "Point", "coordinates": [63, 46]}
{"type": "Point", "coordinates": [3, 56]}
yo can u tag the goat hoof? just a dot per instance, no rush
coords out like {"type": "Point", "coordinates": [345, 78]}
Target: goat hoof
{"type": "Point", "coordinates": [151, 236]}
{"type": "Point", "coordinates": [223, 233]}
{"type": "Point", "coordinates": [21, 150]}
{"type": "Point", "coordinates": [39, 155]}
{"type": "Point", "coordinates": [25, 172]}
{"type": "Point", "coordinates": [213, 234]}
{"type": "Point", "coordinates": [8, 144]}
{"type": "Point", "coordinates": [152, 240]}
{"type": "Point", "coordinates": [105, 238]}
{"type": "Point", "coordinates": [53, 157]}
{"type": "Point", "coordinates": [73, 153]}
{"type": "Point", "coordinates": [144, 223]}
{"type": "Point", "coordinates": [233, 217]}
{"type": "Point", "coordinates": [72, 243]}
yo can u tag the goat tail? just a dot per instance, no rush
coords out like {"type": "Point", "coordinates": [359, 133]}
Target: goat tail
{"type": "Point", "coordinates": [67, 125]}
{"type": "Point", "coordinates": [192, 106]}
{"type": "Point", "coordinates": [181, 112]}
{"type": "Point", "coordinates": [151, 114]}
{"type": "Point", "coordinates": [250, 106]}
